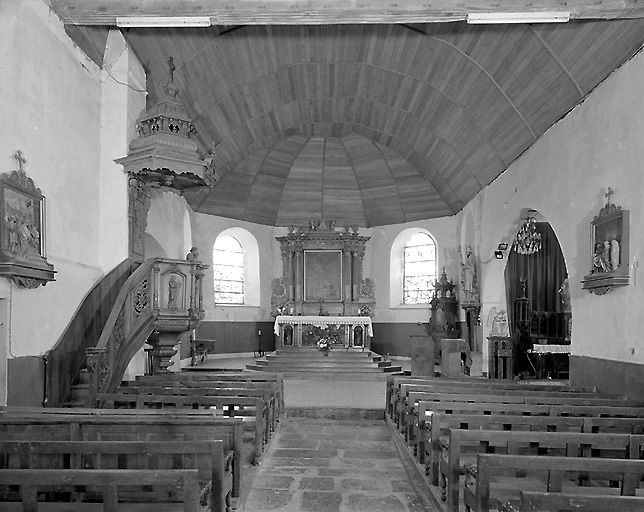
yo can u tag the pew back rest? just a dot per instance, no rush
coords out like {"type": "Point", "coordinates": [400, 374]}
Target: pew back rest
{"type": "Point", "coordinates": [109, 480]}
{"type": "Point", "coordinates": [551, 471]}
{"type": "Point", "coordinates": [532, 501]}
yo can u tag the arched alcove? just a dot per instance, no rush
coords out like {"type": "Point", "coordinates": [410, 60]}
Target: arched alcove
{"type": "Point", "coordinates": [539, 310]}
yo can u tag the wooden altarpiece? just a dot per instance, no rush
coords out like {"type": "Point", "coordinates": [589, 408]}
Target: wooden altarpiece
{"type": "Point", "coordinates": [322, 272]}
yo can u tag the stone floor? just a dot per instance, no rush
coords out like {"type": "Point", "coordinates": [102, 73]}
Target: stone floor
{"type": "Point", "coordinates": [322, 465]}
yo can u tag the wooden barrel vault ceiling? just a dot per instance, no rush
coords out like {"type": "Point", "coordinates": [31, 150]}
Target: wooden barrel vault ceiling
{"type": "Point", "coordinates": [372, 124]}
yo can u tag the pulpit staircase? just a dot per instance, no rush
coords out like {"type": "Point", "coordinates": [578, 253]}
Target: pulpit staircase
{"type": "Point", "coordinates": [153, 304]}
{"type": "Point", "coordinates": [340, 364]}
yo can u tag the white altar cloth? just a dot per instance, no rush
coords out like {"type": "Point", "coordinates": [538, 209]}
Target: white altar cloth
{"type": "Point", "coordinates": [323, 321]}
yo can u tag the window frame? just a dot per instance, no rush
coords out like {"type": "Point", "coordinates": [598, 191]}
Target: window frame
{"type": "Point", "coordinates": [404, 272]}
{"type": "Point", "coordinates": [242, 267]}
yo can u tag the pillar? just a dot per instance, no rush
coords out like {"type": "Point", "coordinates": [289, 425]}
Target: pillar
{"type": "Point", "coordinates": [289, 280]}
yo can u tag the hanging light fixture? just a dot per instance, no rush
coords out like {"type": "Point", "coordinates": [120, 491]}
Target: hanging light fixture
{"type": "Point", "coordinates": [528, 239]}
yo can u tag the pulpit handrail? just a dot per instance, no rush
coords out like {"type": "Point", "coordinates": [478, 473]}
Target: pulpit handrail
{"type": "Point", "coordinates": [133, 281]}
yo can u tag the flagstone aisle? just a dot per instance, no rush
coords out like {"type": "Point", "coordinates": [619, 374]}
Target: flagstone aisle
{"type": "Point", "coordinates": [325, 465]}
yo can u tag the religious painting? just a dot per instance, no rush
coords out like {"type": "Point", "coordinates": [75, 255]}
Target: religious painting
{"type": "Point", "coordinates": [323, 275]}
{"type": "Point", "coordinates": [22, 222]}
{"type": "Point", "coordinates": [22, 229]}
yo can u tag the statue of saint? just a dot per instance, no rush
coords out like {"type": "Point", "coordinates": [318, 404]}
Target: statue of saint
{"type": "Point", "coordinates": [173, 288]}
{"type": "Point", "coordinates": [564, 294]}
{"type": "Point", "coordinates": [468, 276]}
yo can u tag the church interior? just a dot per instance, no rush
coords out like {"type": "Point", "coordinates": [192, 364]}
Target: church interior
{"type": "Point", "coordinates": [321, 256]}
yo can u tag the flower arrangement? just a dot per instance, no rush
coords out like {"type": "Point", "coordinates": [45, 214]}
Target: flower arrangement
{"type": "Point", "coordinates": [324, 345]}
{"type": "Point", "coordinates": [364, 310]}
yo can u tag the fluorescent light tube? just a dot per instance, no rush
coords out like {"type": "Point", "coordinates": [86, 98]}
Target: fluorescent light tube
{"type": "Point", "coordinates": [518, 17]}
{"type": "Point", "coordinates": [163, 21]}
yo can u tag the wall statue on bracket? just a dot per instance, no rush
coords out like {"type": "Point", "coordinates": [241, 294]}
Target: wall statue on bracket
{"type": "Point", "coordinates": [22, 229]}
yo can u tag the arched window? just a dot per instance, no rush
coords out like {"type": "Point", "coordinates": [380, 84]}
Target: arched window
{"type": "Point", "coordinates": [419, 269]}
{"type": "Point", "coordinates": [228, 261]}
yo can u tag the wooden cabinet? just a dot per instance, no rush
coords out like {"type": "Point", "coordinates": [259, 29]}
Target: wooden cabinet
{"type": "Point", "coordinates": [609, 244]}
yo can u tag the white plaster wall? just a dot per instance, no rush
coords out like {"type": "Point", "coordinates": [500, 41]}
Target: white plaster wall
{"type": "Point", "coordinates": [50, 107]}
{"type": "Point", "coordinates": [121, 106]}
{"type": "Point", "coordinates": [564, 176]}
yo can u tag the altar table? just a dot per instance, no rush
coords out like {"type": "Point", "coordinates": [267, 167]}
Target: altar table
{"type": "Point", "coordinates": [357, 330]}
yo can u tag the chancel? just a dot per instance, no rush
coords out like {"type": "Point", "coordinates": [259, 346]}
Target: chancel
{"type": "Point", "coordinates": [323, 256]}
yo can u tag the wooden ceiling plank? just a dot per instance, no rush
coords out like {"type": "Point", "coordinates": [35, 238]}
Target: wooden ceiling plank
{"type": "Point", "coordinates": [302, 12]}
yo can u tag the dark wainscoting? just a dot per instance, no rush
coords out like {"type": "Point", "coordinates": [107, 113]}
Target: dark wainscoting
{"type": "Point", "coordinates": [233, 337]}
{"type": "Point", "coordinates": [393, 338]}
{"type": "Point", "coordinates": [26, 381]}
{"type": "Point", "coordinates": [614, 377]}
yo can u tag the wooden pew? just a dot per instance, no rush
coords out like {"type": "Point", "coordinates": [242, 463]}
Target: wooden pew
{"type": "Point", "coordinates": [109, 480]}
{"type": "Point", "coordinates": [416, 422]}
{"type": "Point", "coordinates": [438, 425]}
{"type": "Point", "coordinates": [570, 405]}
{"type": "Point", "coordinates": [275, 379]}
{"type": "Point", "coordinates": [419, 413]}
{"type": "Point", "coordinates": [124, 425]}
{"type": "Point", "coordinates": [464, 445]}
{"type": "Point", "coordinates": [252, 410]}
{"type": "Point", "coordinates": [605, 411]}
{"type": "Point", "coordinates": [394, 384]}
{"type": "Point", "coordinates": [400, 395]}
{"type": "Point", "coordinates": [532, 501]}
{"type": "Point", "coordinates": [549, 474]}
{"type": "Point", "coordinates": [196, 388]}
{"type": "Point", "coordinates": [207, 457]}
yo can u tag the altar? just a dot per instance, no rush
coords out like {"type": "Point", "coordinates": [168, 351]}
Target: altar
{"type": "Point", "coordinates": [302, 331]}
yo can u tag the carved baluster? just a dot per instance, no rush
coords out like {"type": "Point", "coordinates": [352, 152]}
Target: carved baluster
{"type": "Point", "coordinates": [95, 363]}
{"type": "Point", "coordinates": [156, 284]}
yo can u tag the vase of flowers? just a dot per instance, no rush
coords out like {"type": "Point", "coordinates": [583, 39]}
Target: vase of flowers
{"type": "Point", "coordinates": [324, 346]}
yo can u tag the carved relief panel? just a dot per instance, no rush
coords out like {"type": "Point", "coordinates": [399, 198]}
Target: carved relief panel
{"type": "Point", "coordinates": [22, 229]}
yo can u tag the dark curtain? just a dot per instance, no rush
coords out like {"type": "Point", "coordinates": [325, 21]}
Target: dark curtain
{"type": "Point", "coordinates": [545, 271]}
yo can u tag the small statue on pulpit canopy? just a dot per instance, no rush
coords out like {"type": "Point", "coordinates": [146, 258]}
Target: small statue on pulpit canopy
{"type": "Point", "coordinates": [193, 255]}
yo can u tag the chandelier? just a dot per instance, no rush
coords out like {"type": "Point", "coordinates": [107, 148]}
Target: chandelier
{"type": "Point", "coordinates": [527, 239]}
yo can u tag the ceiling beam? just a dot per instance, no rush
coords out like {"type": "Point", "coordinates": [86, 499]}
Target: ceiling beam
{"type": "Point", "coordinates": [301, 12]}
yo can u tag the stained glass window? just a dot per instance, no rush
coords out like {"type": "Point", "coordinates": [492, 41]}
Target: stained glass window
{"type": "Point", "coordinates": [228, 267]}
{"type": "Point", "coordinates": [419, 269]}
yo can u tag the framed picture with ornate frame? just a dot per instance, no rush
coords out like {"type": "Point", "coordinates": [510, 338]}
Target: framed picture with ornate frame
{"type": "Point", "coordinates": [22, 229]}
{"type": "Point", "coordinates": [609, 244]}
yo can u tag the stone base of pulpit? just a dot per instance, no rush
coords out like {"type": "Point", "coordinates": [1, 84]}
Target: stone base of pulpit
{"type": "Point", "coordinates": [422, 355]}
{"type": "Point", "coordinates": [453, 364]}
